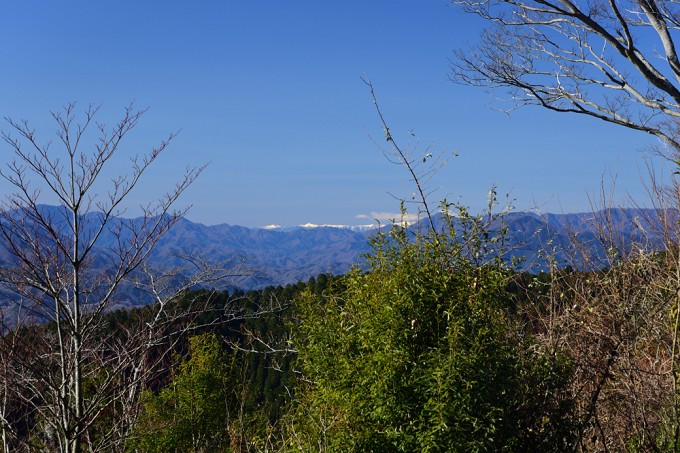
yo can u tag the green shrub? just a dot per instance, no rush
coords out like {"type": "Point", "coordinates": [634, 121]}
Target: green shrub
{"type": "Point", "coordinates": [421, 353]}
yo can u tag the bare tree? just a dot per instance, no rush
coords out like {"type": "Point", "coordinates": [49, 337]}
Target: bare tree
{"type": "Point", "coordinates": [62, 367]}
{"type": "Point", "coordinates": [616, 319]}
{"type": "Point", "coordinates": [613, 60]}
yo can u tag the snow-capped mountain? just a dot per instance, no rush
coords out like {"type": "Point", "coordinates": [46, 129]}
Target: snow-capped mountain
{"type": "Point", "coordinates": [279, 255]}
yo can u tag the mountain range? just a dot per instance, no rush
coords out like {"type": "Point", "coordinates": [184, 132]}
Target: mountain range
{"type": "Point", "coordinates": [286, 255]}
{"type": "Point", "coordinates": [275, 255]}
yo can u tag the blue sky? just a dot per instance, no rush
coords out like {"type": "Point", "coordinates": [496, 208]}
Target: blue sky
{"type": "Point", "coordinates": [269, 93]}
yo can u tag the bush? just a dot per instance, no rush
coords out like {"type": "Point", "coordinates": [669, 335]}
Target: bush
{"type": "Point", "coordinates": [421, 353]}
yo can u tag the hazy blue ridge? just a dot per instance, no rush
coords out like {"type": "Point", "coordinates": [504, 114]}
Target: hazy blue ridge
{"type": "Point", "coordinates": [278, 256]}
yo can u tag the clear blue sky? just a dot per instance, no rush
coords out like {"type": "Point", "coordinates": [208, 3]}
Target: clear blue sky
{"type": "Point", "coordinates": [269, 93]}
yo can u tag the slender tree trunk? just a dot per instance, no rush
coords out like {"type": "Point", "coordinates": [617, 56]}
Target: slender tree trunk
{"type": "Point", "coordinates": [77, 335]}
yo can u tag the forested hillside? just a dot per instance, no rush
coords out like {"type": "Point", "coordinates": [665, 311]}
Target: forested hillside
{"type": "Point", "coordinates": [430, 349]}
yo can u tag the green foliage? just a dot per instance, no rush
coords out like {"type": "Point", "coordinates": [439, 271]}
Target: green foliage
{"type": "Point", "coordinates": [190, 413]}
{"type": "Point", "coordinates": [421, 354]}
{"type": "Point", "coordinates": [250, 382]}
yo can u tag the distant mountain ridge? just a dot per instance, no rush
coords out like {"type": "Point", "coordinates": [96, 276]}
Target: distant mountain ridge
{"type": "Point", "coordinates": [276, 255]}
{"type": "Point", "coordinates": [287, 255]}
{"type": "Point", "coordinates": [531, 235]}
{"type": "Point", "coordinates": [279, 255]}
{"type": "Point", "coordinates": [314, 225]}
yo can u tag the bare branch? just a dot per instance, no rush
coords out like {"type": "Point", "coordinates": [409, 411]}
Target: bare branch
{"type": "Point", "coordinates": [596, 59]}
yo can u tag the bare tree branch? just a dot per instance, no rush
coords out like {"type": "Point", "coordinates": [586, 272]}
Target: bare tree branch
{"type": "Point", "coordinates": [594, 58]}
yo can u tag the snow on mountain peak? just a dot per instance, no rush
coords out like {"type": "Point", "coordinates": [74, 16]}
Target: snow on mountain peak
{"type": "Point", "coordinates": [344, 227]}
